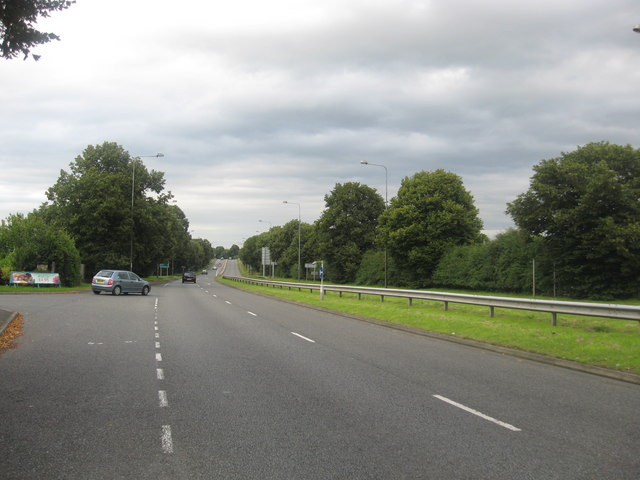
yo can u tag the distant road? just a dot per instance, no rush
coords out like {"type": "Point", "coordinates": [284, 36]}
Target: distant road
{"type": "Point", "coordinates": [208, 382]}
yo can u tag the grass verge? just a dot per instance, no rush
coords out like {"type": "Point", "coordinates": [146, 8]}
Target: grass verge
{"type": "Point", "coordinates": [603, 342]}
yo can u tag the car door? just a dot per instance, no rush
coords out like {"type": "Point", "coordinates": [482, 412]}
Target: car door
{"type": "Point", "coordinates": [135, 283]}
{"type": "Point", "coordinates": [124, 281]}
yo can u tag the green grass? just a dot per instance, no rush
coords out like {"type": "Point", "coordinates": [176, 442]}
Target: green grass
{"type": "Point", "coordinates": [603, 342]}
{"type": "Point", "coordinates": [48, 289]}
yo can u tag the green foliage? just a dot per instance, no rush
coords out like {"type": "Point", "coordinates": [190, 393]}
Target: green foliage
{"type": "Point", "coordinates": [432, 213]}
{"type": "Point", "coordinates": [503, 264]}
{"type": "Point", "coordinates": [93, 201]}
{"type": "Point", "coordinates": [584, 205]}
{"type": "Point", "coordinates": [283, 244]}
{"type": "Point", "coordinates": [26, 242]}
{"type": "Point", "coordinates": [371, 271]}
{"type": "Point", "coordinates": [347, 228]}
{"type": "Point", "coordinates": [17, 19]}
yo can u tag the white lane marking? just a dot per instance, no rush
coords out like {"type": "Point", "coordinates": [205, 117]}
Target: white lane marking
{"type": "Point", "coordinates": [206, 291]}
{"type": "Point", "coordinates": [157, 344]}
{"type": "Point", "coordinates": [162, 398]}
{"type": "Point", "coordinates": [303, 337]}
{"type": "Point", "coordinates": [158, 357]}
{"type": "Point", "coordinates": [160, 373]}
{"type": "Point", "coordinates": [254, 314]}
{"type": "Point", "coordinates": [155, 328]}
{"type": "Point", "coordinates": [227, 302]}
{"type": "Point", "coordinates": [479, 414]}
{"type": "Point", "coordinates": [156, 303]}
{"type": "Point", "coordinates": [167, 441]}
{"type": "Point", "coordinates": [215, 296]}
{"type": "Point", "coordinates": [157, 335]}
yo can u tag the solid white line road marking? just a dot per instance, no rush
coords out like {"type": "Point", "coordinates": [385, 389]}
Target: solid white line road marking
{"type": "Point", "coordinates": [254, 314]}
{"type": "Point", "coordinates": [160, 373]}
{"type": "Point", "coordinates": [167, 441]}
{"type": "Point", "coordinates": [304, 338]}
{"type": "Point", "coordinates": [479, 414]}
{"type": "Point", "coordinates": [162, 397]}
{"type": "Point", "coordinates": [158, 357]}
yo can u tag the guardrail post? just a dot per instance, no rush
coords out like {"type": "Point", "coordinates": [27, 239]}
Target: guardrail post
{"type": "Point", "coordinates": [491, 311]}
{"type": "Point", "coordinates": [446, 306]}
{"type": "Point", "coordinates": [554, 318]}
{"type": "Point", "coordinates": [382, 298]}
{"type": "Point", "coordinates": [410, 301]}
{"type": "Point", "coordinates": [359, 296]}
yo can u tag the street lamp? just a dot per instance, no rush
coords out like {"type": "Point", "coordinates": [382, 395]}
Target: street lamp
{"type": "Point", "coordinates": [133, 179]}
{"type": "Point", "coordinates": [386, 204]}
{"type": "Point", "coordinates": [294, 203]}
{"type": "Point", "coordinates": [636, 29]}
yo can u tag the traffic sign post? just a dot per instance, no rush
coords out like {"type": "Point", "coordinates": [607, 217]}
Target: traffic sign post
{"type": "Point", "coordinates": [321, 277]}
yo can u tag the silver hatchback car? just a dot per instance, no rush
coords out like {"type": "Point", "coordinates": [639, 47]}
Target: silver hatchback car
{"type": "Point", "coordinates": [116, 282]}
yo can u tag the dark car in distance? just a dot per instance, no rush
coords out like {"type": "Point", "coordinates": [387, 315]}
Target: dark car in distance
{"type": "Point", "coordinates": [188, 277]}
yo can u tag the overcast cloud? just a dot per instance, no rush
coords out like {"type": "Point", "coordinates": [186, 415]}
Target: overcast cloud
{"type": "Point", "coordinates": [255, 102]}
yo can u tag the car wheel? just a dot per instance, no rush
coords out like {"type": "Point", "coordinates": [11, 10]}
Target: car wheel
{"type": "Point", "coordinates": [116, 290]}
{"type": "Point", "coordinates": [96, 292]}
{"type": "Point", "coordinates": [145, 290]}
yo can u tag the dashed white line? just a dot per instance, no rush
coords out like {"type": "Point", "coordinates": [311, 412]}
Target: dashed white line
{"type": "Point", "coordinates": [479, 414]}
{"type": "Point", "coordinates": [303, 337]}
{"type": "Point", "coordinates": [227, 302]}
{"type": "Point", "coordinates": [158, 357]}
{"type": "Point", "coordinates": [162, 398]}
{"type": "Point", "coordinates": [167, 441]}
{"type": "Point", "coordinates": [160, 373]}
{"type": "Point", "coordinates": [254, 314]}
{"type": "Point", "coordinates": [157, 344]}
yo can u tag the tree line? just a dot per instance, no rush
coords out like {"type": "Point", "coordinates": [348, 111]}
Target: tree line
{"type": "Point", "coordinates": [107, 211]}
{"type": "Point", "coordinates": [577, 232]}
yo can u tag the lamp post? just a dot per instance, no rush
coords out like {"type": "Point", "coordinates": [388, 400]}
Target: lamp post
{"type": "Point", "coordinates": [636, 29]}
{"type": "Point", "coordinates": [386, 205]}
{"type": "Point", "coordinates": [133, 179]}
{"type": "Point", "coordinates": [294, 203]}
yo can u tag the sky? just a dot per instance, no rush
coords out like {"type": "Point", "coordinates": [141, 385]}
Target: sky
{"type": "Point", "coordinates": [255, 102]}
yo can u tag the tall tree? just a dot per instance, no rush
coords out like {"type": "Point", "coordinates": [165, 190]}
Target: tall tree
{"type": "Point", "coordinates": [431, 213]}
{"type": "Point", "coordinates": [585, 205]}
{"type": "Point", "coordinates": [17, 19]}
{"type": "Point", "coordinates": [347, 228]}
{"type": "Point", "coordinates": [94, 203]}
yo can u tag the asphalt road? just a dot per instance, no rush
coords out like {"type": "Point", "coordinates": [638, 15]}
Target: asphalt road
{"type": "Point", "coordinates": [208, 382]}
